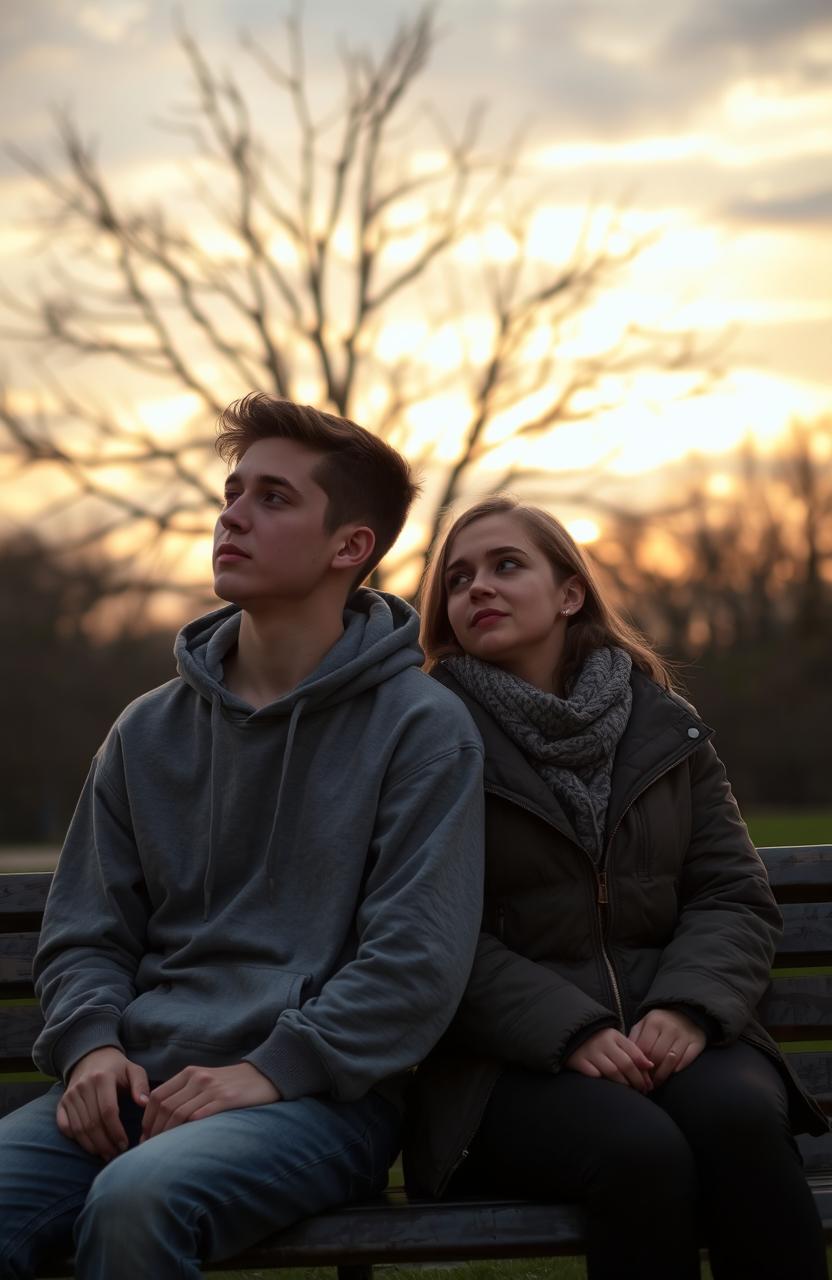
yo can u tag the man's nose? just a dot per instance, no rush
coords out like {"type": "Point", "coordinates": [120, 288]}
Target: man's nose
{"type": "Point", "coordinates": [235, 516]}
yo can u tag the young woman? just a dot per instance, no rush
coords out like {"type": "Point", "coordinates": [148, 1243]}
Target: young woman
{"type": "Point", "coordinates": [606, 1050]}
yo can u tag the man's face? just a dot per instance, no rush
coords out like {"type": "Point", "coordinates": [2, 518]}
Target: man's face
{"type": "Point", "coordinates": [269, 541]}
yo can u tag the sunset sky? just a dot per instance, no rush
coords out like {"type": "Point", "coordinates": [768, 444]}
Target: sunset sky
{"type": "Point", "coordinates": [708, 121]}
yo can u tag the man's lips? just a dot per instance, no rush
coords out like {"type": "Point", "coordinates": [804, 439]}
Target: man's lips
{"type": "Point", "coordinates": [486, 615]}
{"type": "Point", "coordinates": [228, 551]}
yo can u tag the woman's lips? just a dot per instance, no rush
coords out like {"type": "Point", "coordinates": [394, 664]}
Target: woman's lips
{"type": "Point", "coordinates": [486, 617]}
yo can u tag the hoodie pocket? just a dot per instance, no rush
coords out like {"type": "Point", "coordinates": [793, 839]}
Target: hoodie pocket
{"type": "Point", "coordinates": [223, 1007]}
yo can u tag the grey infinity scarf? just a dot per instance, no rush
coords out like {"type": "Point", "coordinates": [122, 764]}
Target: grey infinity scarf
{"type": "Point", "coordinates": [570, 741]}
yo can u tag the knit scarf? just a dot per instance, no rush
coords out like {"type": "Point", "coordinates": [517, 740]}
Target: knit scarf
{"type": "Point", "coordinates": [569, 741]}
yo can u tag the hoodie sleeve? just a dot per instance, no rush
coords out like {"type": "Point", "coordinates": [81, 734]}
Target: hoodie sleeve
{"type": "Point", "coordinates": [94, 924]}
{"type": "Point", "coordinates": [417, 925]}
{"type": "Point", "coordinates": [718, 960]}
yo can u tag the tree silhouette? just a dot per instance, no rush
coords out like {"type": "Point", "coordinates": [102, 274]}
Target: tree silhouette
{"type": "Point", "coordinates": [286, 271]}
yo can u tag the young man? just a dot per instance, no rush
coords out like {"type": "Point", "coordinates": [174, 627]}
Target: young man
{"type": "Point", "coordinates": [267, 904]}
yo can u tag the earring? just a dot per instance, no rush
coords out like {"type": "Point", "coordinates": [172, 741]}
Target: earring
{"type": "Point", "coordinates": [565, 612]}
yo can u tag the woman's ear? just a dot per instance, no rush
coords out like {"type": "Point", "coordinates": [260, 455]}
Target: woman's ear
{"type": "Point", "coordinates": [574, 594]}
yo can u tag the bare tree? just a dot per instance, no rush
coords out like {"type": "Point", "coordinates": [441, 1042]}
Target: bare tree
{"type": "Point", "coordinates": [738, 565]}
{"type": "Point", "coordinates": [284, 270]}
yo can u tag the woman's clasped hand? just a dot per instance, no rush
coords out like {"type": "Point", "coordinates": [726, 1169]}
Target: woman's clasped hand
{"type": "Point", "coordinates": [662, 1042]}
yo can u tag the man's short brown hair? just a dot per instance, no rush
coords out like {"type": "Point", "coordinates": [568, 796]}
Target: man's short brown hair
{"type": "Point", "coordinates": [363, 478]}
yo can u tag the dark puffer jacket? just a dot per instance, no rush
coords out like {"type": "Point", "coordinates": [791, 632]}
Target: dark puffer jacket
{"type": "Point", "coordinates": [677, 913]}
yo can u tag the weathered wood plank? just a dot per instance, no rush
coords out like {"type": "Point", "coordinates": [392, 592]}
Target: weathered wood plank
{"type": "Point", "coordinates": [22, 899]}
{"type": "Point", "coordinates": [799, 874]}
{"type": "Point", "coordinates": [799, 1008]}
{"type": "Point", "coordinates": [17, 951]}
{"type": "Point", "coordinates": [807, 934]}
{"type": "Point", "coordinates": [814, 1071]}
{"type": "Point", "coordinates": [817, 1155]}
{"type": "Point", "coordinates": [19, 1025]}
{"type": "Point", "coordinates": [423, 1232]}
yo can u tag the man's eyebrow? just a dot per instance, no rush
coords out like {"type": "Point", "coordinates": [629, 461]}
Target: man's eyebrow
{"type": "Point", "coordinates": [279, 482]}
{"type": "Point", "coordinates": [492, 551]}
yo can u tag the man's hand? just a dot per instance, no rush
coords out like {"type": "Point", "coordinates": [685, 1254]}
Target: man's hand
{"type": "Point", "coordinates": [198, 1092]}
{"type": "Point", "coordinates": [671, 1040]}
{"type": "Point", "coordinates": [88, 1111]}
{"type": "Point", "coordinates": [610, 1054]}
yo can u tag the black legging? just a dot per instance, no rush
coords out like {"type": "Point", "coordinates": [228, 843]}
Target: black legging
{"type": "Point", "coordinates": [709, 1155]}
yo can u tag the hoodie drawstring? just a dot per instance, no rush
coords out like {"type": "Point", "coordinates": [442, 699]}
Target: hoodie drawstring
{"type": "Point", "coordinates": [213, 783]}
{"type": "Point", "coordinates": [271, 845]}
{"type": "Point", "coordinates": [213, 787]}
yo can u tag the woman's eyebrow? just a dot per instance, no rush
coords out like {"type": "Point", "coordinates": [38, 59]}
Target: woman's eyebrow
{"type": "Point", "coordinates": [491, 552]}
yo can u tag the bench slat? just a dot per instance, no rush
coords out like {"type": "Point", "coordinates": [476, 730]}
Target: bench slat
{"type": "Point", "coordinates": [817, 1155]}
{"type": "Point", "coordinates": [19, 1025]}
{"type": "Point", "coordinates": [423, 1233]}
{"type": "Point", "coordinates": [17, 951]}
{"type": "Point", "coordinates": [22, 899]}
{"type": "Point", "coordinates": [807, 934]}
{"type": "Point", "coordinates": [814, 1070]}
{"type": "Point", "coordinates": [799, 1008]}
{"type": "Point", "coordinates": [799, 874]}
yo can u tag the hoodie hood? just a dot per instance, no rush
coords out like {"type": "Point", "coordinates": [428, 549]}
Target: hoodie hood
{"type": "Point", "coordinates": [380, 639]}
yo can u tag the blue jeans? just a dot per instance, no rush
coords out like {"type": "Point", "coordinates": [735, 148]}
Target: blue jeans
{"type": "Point", "coordinates": [198, 1193]}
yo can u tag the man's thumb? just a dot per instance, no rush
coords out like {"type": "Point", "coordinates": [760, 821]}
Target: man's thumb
{"type": "Point", "coordinates": [139, 1084]}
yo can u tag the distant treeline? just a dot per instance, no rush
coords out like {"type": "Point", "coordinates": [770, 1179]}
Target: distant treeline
{"type": "Point", "coordinates": [764, 685]}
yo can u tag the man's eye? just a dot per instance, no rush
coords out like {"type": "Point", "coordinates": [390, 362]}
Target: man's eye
{"type": "Point", "coordinates": [228, 498]}
{"type": "Point", "coordinates": [273, 499]}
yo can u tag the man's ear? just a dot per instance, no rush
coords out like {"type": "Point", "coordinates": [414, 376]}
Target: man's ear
{"type": "Point", "coordinates": [355, 546]}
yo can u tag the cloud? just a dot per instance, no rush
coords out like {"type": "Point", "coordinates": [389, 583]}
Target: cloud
{"type": "Point", "coordinates": [809, 208]}
{"type": "Point", "coordinates": [717, 25]}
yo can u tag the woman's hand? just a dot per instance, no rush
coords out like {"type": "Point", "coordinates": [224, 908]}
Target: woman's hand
{"type": "Point", "coordinates": [671, 1039]}
{"type": "Point", "coordinates": [611, 1054]}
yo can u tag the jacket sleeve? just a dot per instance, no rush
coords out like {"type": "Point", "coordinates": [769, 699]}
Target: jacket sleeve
{"type": "Point", "coordinates": [521, 1011]}
{"type": "Point", "coordinates": [720, 955]}
{"type": "Point", "coordinates": [94, 924]}
{"type": "Point", "coordinates": [417, 927]}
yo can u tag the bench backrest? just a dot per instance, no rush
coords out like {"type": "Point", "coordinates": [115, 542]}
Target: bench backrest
{"type": "Point", "coordinates": [797, 1009]}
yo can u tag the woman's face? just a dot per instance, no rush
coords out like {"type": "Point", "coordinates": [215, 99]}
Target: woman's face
{"type": "Point", "coordinates": [504, 600]}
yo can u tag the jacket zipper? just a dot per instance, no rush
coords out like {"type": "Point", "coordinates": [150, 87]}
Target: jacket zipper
{"type": "Point", "coordinates": [603, 922]}
{"type": "Point", "coordinates": [601, 898]}
{"type": "Point", "coordinates": [602, 893]}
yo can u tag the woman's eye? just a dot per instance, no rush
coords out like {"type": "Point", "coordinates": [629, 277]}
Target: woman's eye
{"type": "Point", "coordinates": [507, 560]}
{"type": "Point", "coordinates": [456, 580]}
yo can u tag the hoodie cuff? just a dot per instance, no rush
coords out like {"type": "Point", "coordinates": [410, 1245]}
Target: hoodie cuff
{"type": "Point", "coordinates": [80, 1039]}
{"type": "Point", "coordinates": [293, 1068]}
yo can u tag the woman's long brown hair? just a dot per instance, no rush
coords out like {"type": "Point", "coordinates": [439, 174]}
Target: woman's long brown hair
{"type": "Point", "coordinates": [596, 624]}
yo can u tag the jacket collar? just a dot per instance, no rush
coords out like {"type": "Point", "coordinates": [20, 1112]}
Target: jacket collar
{"type": "Point", "coordinates": [662, 731]}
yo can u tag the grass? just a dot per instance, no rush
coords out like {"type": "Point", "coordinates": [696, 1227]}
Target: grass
{"type": "Point", "coordinates": [789, 826]}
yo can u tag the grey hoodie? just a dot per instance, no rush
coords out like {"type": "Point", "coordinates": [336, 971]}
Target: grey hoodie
{"type": "Point", "coordinates": [298, 886]}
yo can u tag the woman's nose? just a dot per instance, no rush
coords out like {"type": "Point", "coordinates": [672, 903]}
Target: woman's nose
{"type": "Point", "coordinates": [480, 587]}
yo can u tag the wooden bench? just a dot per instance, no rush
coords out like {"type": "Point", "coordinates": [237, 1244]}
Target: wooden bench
{"type": "Point", "coordinates": [797, 1010]}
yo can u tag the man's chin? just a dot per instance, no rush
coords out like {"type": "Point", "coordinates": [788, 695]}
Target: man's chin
{"type": "Point", "coordinates": [224, 591]}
